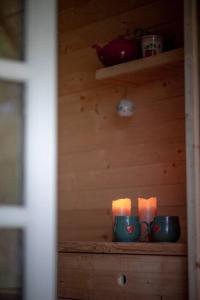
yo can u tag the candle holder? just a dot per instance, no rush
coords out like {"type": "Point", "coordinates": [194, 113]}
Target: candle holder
{"type": "Point", "coordinates": [147, 210]}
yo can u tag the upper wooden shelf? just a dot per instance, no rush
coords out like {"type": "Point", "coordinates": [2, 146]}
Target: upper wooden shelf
{"type": "Point", "coordinates": [178, 249]}
{"type": "Point", "coordinates": [145, 69]}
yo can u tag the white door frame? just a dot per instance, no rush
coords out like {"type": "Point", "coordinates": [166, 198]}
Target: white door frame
{"type": "Point", "coordinates": [192, 110]}
{"type": "Point", "coordinates": [37, 217]}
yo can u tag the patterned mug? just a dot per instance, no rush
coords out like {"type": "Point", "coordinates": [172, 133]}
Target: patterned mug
{"type": "Point", "coordinates": [165, 229]}
{"type": "Point", "coordinates": [127, 228]}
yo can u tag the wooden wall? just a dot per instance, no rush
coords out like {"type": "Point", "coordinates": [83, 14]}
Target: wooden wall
{"type": "Point", "coordinates": [102, 156]}
{"type": "Point", "coordinates": [148, 277]}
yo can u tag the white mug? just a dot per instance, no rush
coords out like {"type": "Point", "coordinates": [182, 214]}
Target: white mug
{"type": "Point", "coordinates": [151, 44]}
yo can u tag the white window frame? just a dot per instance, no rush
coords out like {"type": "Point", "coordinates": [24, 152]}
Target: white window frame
{"type": "Point", "coordinates": [37, 217]}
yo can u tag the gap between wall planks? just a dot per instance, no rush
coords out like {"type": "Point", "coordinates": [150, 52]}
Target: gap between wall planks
{"type": "Point", "coordinates": [164, 158]}
{"type": "Point", "coordinates": [103, 157]}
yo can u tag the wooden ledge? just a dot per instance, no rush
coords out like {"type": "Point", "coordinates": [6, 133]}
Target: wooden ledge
{"type": "Point", "coordinates": [177, 249]}
{"type": "Point", "coordinates": [145, 69]}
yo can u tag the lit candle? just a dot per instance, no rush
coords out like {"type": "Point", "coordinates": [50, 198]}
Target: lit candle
{"type": "Point", "coordinates": [121, 207]}
{"type": "Point", "coordinates": [147, 210]}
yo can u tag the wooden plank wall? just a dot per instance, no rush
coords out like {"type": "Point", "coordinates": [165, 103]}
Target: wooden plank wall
{"type": "Point", "coordinates": [146, 277]}
{"type": "Point", "coordinates": [102, 156]}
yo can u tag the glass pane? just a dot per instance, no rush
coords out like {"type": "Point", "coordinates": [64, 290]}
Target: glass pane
{"type": "Point", "coordinates": [11, 137]}
{"type": "Point", "coordinates": [11, 254]}
{"type": "Point", "coordinates": [11, 29]}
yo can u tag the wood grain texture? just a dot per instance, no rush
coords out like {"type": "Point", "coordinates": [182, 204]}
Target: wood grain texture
{"type": "Point", "coordinates": [86, 12]}
{"type": "Point", "coordinates": [78, 32]}
{"type": "Point", "coordinates": [102, 156]}
{"type": "Point", "coordinates": [179, 249]}
{"type": "Point", "coordinates": [98, 226]}
{"type": "Point", "coordinates": [168, 195]}
{"type": "Point", "coordinates": [79, 61]}
{"type": "Point", "coordinates": [91, 276]}
{"type": "Point", "coordinates": [192, 97]}
{"type": "Point", "coordinates": [140, 70]}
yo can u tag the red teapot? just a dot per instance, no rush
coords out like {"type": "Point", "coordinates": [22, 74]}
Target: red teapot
{"type": "Point", "coordinates": [118, 51]}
